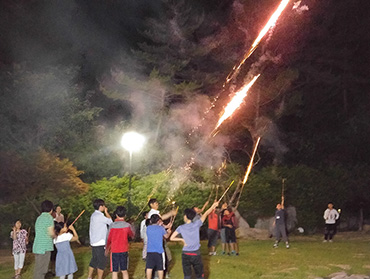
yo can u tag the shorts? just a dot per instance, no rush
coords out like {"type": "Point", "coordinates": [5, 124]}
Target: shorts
{"type": "Point", "coordinates": [212, 237]}
{"type": "Point", "coordinates": [230, 235]}
{"type": "Point", "coordinates": [98, 260]}
{"type": "Point", "coordinates": [223, 235]}
{"type": "Point", "coordinates": [155, 261]}
{"type": "Point", "coordinates": [118, 261]}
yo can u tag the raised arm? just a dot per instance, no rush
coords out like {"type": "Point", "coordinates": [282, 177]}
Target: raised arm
{"type": "Point", "coordinates": [75, 235]}
{"type": "Point", "coordinates": [204, 216]}
{"type": "Point", "coordinates": [168, 214]}
{"type": "Point", "coordinates": [174, 237]}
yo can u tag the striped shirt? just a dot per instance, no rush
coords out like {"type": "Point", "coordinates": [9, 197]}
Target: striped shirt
{"type": "Point", "coordinates": [43, 240]}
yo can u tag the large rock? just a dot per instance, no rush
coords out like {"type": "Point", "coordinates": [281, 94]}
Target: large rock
{"type": "Point", "coordinates": [252, 233]}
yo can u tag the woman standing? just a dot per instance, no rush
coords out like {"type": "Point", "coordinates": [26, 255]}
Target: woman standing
{"type": "Point", "coordinates": [20, 240]}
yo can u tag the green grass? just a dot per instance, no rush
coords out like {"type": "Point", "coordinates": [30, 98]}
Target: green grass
{"type": "Point", "coordinates": [308, 257]}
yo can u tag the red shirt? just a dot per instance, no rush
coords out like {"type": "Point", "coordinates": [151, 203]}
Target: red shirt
{"type": "Point", "coordinates": [119, 232]}
{"type": "Point", "coordinates": [213, 221]}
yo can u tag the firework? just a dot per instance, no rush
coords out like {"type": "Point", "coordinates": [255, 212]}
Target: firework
{"type": "Point", "coordinates": [251, 161]}
{"type": "Point", "coordinates": [236, 101]}
{"type": "Point", "coordinates": [269, 25]}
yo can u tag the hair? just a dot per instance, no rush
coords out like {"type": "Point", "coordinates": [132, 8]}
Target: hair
{"type": "Point", "coordinates": [151, 201]}
{"type": "Point", "coordinates": [120, 211]}
{"type": "Point", "coordinates": [190, 213]}
{"type": "Point", "coordinates": [46, 206]}
{"type": "Point", "coordinates": [16, 220]}
{"type": "Point", "coordinates": [331, 203]}
{"type": "Point", "coordinates": [58, 227]}
{"type": "Point", "coordinates": [229, 208]}
{"type": "Point", "coordinates": [154, 219]}
{"type": "Point", "coordinates": [145, 213]}
{"type": "Point", "coordinates": [97, 203]}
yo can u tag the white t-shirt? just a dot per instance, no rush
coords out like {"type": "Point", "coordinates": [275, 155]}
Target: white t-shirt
{"type": "Point", "coordinates": [63, 237]}
{"type": "Point", "coordinates": [153, 211]}
{"type": "Point", "coordinates": [331, 216]}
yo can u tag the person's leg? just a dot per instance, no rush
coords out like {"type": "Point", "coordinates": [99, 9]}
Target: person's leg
{"type": "Point", "coordinates": [41, 265]}
{"type": "Point", "coordinates": [62, 277]}
{"type": "Point", "coordinates": [91, 271]}
{"type": "Point", "coordinates": [331, 232]}
{"type": "Point", "coordinates": [70, 276]}
{"type": "Point", "coordinates": [100, 273]}
{"type": "Point", "coordinates": [326, 232]}
{"type": "Point", "coordinates": [186, 266]}
{"type": "Point", "coordinates": [114, 275]}
{"type": "Point", "coordinates": [149, 273]}
{"type": "Point", "coordinates": [21, 257]}
{"type": "Point", "coordinates": [223, 240]}
{"type": "Point", "coordinates": [198, 267]}
{"type": "Point", "coordinates": [16, 263]}
{"type": "Point", "coordinates": [145, 246]}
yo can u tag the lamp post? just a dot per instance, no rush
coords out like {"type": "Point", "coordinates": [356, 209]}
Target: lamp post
{"type": "Point", "coordinates": [132, 142]}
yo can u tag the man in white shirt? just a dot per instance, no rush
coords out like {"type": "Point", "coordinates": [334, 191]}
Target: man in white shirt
{"type": "Point", "coordinates": [330, 216]}
{"type": "Point", "coordinates": [98, 235]}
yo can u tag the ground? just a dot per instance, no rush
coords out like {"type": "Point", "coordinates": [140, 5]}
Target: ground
{"type": "Point", "coordinates": [308, 257]}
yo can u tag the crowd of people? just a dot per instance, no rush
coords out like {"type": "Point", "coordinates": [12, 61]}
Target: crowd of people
{"type": "Point", "coordinates": [109, 239]}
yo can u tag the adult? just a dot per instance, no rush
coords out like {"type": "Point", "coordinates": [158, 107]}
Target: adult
{"type": "Point", "coordinates": [43, 243]}
{"type": "Point", "coordinates": [280, 227]}
{"type": "Point", "coordinates": [212, 232]}
{"type": "Point", "coordinates": [331, 216]}
{"type": "Point", "coordinates": [59, 217]}
{"type": "Point", "coordinates": [98, 234]}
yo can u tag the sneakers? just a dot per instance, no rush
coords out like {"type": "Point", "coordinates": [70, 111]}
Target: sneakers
{"type": "Point", "coordinates": [324, 240]}
{"type": "Point", "coordinates": [212, 253]}
{"type": "Point", "coordinates": [275, 245]}
{"type": "Point", "coordinates": [330, 240]}
{"type": "Point", "coordinates": [287, 246]}
{"type": "Point", "coordinates": [223, 253]}
{"type": "Point", "coordinates": [233, 253]}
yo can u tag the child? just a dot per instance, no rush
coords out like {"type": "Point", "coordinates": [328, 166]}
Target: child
{"type": "Point", "coordinates": [190, 238]}
{"type": "Point", "coordinates": [155, 258]}
{"type": "Point", "coordinates": [212, 232]}
{"type": "Point", "coordinates": [228, 221]}
{"type": "Point", "coordinates": [20, 240]}
{"type": "Point", "coordinates": [143, 234]}
{"type": "Point", "coordinates": [117, 243]}
{"type": "Point", "coordinates": [65, 263]}
{"type": "Point", "coordinates": [279, 224]}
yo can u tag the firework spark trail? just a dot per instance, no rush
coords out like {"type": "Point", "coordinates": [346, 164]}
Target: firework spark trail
{"type": "Point", "coordinates": [236, 101]}
{"type": "Point", "coordinates": [251, 162]}
{"type": "Point", "coordinates": [270, 24]}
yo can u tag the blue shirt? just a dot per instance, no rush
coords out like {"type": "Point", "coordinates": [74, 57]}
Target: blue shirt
{"type": "Point", "coordinates": [155, 235]}
{"type": "Point", "coordinates": [190, 233]}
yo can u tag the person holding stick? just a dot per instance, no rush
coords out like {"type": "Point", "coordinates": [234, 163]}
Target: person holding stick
{"type": "Point", "coordinates": [65, 263]}
{"type": "Point", "coordinates": [280, 227]}
{"type": "Point", "coordinates": [98, 234]}
{"type": "Point", "coordinates": [191, 240]}
{"type": "Point", "coordinates": [143, 236]}
{"type": "Point", "coordinates": [43, 243]}
{"type": "Point", "coordinates": [155, 255]}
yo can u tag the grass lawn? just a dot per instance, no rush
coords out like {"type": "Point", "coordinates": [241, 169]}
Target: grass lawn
{"type": "Point", "coordinates": [308, 257]}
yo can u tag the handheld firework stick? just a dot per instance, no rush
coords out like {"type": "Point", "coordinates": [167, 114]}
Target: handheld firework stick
{"type": "Point", "coordinates": [248, 170]}
{"type": "Point", "coordinates": [282, 192]}
{"type": "Point", "coordinates": [227, 189]}
{"type": "Point", "coordinates": [174, 217]}
{"type": "Point", "coordinates": [217, 191]}
{"type": "Point", "coordinates": [82, 212]}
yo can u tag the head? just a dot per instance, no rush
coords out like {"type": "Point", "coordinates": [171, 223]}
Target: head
{"type": "Point", "coordinates": [224, 206]}
{"type": "Point", "coordinates": [18, 224]}
{"type": "Point", "coordinates": [47, 206]}
{"type": "Point", "coordinates": [57, 208]}
{"type": "Point", "coordinates": [330, 205]}
{"type": "Point", "coordinates": [154, 219]}
{"type": "Point", "coordinates": [120, 211]}
{"type": "Point", "coordinates": [60, 228]}
{"type": "Point", "coordinates": [226, 212]}
{"type": "Point", "coordinates": [145, 214]}
{"type": "Point", "coordinates": [196, 209]}
{"type": "Point", "coordinates": [279, 206]}
{"type": "Point", "coordinates": [153, 203]}
{"type": "Point", "coordinates": [99, 204]}
{"type": "Point", "coordinates": [189, 214]}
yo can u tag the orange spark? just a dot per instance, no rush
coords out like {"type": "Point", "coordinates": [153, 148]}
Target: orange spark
{"type": "Point", "coordinates": [236, 101]}
{"type": "Point", "coordinates": [270, 24]}
{"type": "Point", "coordinates": [251, 162]}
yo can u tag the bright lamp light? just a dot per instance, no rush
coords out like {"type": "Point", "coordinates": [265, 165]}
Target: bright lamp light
{"type": "Point", "coordinates": [132, 141]}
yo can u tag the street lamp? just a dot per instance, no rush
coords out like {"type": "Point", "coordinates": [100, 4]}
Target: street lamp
{"type": "Point", "coordinates": [132, 142]}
